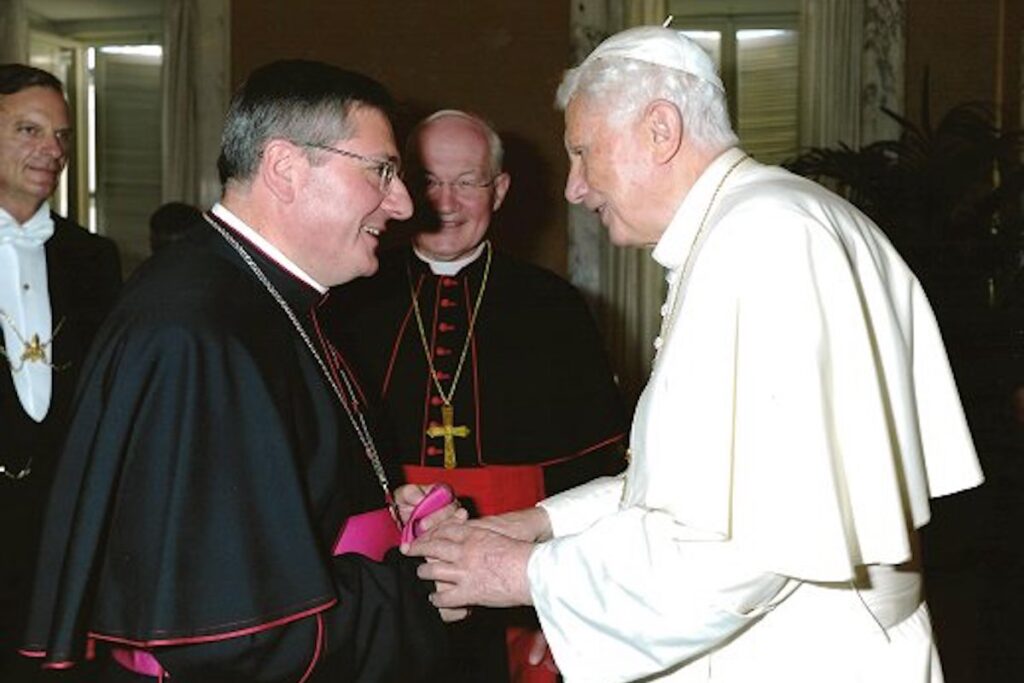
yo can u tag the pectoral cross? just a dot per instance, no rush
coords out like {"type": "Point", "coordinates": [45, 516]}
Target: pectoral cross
{"type": "Point", "coordinates": [449, 431]}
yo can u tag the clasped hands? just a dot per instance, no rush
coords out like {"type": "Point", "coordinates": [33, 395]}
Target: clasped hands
{"type": "Point", "coordinates": [474, 562]}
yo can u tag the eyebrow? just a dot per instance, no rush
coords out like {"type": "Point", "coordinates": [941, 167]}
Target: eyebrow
{"type": "Point", "coordinates": [27, 118]}
{"type": "Point", "coordinates": [457, 175]}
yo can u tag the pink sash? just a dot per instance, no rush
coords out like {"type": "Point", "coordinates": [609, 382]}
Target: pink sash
{"type": "Point", "coordinates": [138, 661]}
{"type": "Point", "coordinates": [371, 534]}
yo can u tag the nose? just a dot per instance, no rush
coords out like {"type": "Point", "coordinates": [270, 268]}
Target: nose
{"type": "Point", "coordinates": [53, 146]}
{"type": "Point", "coordinates": [443, 198]}
{"type": "Point", "coordinates": [397, 201]}
{"type": "Point", "coordinates": [575, 184]}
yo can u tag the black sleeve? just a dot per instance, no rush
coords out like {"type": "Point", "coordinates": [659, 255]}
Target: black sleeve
{"type": "Point", "coordinates": [382, 629]}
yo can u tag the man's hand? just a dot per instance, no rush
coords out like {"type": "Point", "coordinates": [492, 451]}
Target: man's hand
{"type": "Point", "coordinates": [473, 565]}
{"type": "Point", "coordinates": [531, 524]}
{"type": "Point", "coordinates": [407, 496]}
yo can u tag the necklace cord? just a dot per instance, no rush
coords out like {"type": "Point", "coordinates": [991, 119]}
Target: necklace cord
{"type": "Point", "coordinates": [447, 398]}
{"type": "Point", "coordinates": [355, 416]}
{"type": "Point", "coordinates": [673, 296]}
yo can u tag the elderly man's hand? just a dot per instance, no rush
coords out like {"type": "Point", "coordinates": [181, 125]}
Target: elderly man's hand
{"type": "Point", "coordinates": [473, 566]}
{"type": "Point", "coordinates": [530, 524]}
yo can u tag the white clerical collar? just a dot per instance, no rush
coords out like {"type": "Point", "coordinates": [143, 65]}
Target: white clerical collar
{"type": "Point", "coordinates": [675, 243]}
{"type": "Point", "coordinates": [450, 267]}
{"type": "Point", "coordinates": [239, 226]}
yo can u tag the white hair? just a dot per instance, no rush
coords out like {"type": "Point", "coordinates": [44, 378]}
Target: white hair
{"type": "Point", "coordinates": [626, 86]}
{"type": "Point", "coordinates": [496, 151]}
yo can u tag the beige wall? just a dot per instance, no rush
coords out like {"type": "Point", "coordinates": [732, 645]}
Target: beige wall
{"type": "Point", "coordinates": [501, 58]}
{"type": "Point", "coordinates": [504, 58]}
{"type": "Point", "coordinates": [971, 52]}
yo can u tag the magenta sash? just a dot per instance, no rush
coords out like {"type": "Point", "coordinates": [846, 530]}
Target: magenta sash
{"type": "Point", "coordinates": [371, 534]}
{"type": "Point", "coordinates": [138, 661]}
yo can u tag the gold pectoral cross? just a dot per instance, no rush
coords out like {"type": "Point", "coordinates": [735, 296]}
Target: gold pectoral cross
{"type": "Point", "coordinates": [449, 431]}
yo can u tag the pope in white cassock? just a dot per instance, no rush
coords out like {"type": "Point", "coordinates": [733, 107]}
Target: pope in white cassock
{"type": "Point", "coordinates": [800, 415]}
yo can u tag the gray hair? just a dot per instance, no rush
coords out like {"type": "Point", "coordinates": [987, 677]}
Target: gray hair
{"type": "Point", "coordinates": [495, 149]}
{"type": "Point", "coordinates": [629, 85]}
{"type": "Point", "coordinates": [302, 101]}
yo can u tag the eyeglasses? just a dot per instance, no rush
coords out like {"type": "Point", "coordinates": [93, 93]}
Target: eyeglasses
{"type": "Point", "coordinates": [461, 187]}
{"type": "Point", "coordinates": [386, 169]}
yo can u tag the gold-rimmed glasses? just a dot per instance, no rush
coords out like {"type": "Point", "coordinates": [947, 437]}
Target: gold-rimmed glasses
{"type": "Point", "coordinates": [464, 187]}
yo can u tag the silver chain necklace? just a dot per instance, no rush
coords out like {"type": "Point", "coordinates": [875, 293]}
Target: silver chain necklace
{"type": "Point", "coordinates": [355, 416]}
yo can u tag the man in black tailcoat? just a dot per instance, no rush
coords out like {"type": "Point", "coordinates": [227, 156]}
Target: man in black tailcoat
{"type": "Point", "coordinates": [57, 281]}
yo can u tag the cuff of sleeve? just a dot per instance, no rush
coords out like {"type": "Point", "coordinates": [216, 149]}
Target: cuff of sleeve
{"type": "Point", "coordinates": [575, 510]}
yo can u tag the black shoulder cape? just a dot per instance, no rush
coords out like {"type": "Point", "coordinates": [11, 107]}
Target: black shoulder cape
{"type": "Point", "coordinates": [207, 469]}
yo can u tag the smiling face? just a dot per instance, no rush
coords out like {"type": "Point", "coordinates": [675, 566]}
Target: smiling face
{"type": "Point", "coordinates": [34, 141]}
{"type": "Point", "coordinates": [453, 151]}
{"type": "Point", "coordinates": [343, 208]}
{"type": "Point", "coordinates": [610, 172]}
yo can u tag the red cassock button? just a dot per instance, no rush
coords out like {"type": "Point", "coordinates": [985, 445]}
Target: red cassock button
{"type": "Point", "coordinates": [445, 327]}
{"type": "Point", "coordinates": [436, 400]}
{"type": "Point", "coordinates": [443, 375]}
{"type": "Point", "coordinates": [448, 303]}
{"type": "Point", "coordinates": [434, 450]}
{"type": "Point", "coordinates": [442, 351]}
{"type": "Point", "coordinates": [449, 282]}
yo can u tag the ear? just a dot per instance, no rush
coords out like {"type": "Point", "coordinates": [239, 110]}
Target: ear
{"type": "Point", "coordinates": [663, 125]}
{"type": "Point", "coordinates": [281, 169]}
{"type": "Point", "coordinates": [501, 184]}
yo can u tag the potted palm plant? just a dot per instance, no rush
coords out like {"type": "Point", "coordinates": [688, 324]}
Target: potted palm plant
{"type": "Point", "coordinates": [949, 197]}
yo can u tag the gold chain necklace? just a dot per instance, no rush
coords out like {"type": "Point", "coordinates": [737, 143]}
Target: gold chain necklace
{"type": "Point", "coordinates": [670, 304]}
{"type": "Point", "coordinates": [673, 294]}
{"type": "Point", "coordinates": [448, 429]}
{"type": "Point", "coordinates": [33, 349]}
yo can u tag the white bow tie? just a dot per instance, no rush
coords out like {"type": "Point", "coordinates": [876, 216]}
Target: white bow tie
{"type": "Point", "coordinates": [33, 232]}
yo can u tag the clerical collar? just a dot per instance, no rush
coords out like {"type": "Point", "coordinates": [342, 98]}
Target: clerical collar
{"type": "Point", "coordinates": [239, 226]}
{"type": "Point", "coordinates": [676, 242]}
{"type": "Point", "coordinates": [450, 267]}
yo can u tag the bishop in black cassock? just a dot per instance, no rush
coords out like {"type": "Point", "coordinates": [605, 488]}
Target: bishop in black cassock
{"type": "Point", "coordinates": [209, 468]}
{"type": "Point", "coordinates": [218, 447]}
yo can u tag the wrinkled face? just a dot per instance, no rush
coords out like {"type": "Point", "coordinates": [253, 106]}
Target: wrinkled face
{"type": "Point", "coordinates": [608, 172]}
{"type": "Point", "coordinates": [455, 187]}
{"type": "Point", "coordinates": [35, 136]}
{"type": "Point", "coordinates": [343, 210]}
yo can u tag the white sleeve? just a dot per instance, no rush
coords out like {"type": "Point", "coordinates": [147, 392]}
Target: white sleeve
{"type": "Point", "coordinates": [574, 510]}
{"type": "Point", "coordinates": [593, 590]}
